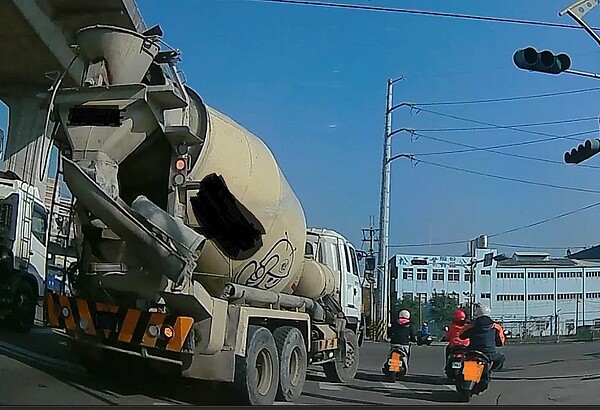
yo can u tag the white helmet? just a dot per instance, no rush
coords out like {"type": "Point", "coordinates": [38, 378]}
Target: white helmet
{"type": "Point", "coordinates": [481, 310]}
{"type": "Point", "coordinates": [404, 314]}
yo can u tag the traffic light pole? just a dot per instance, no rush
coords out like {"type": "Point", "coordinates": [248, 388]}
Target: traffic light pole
{"type": "Point", "coordinates": [583, 73]}
{"type": "Point", "coordinates": [579, 9]}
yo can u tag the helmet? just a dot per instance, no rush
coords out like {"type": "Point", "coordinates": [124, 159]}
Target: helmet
{"type": "Point", "coordinates": [404, 314]}
{"type": "Point", "coordinates": [459, 316]}
{"type": "Point", "coordinates": [481, 310]}
{"type": "Point", "coordinates": [424, 323]}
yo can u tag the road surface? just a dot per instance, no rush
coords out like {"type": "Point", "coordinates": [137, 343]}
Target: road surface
{"type": "Point", "coordinates": [35, 369]}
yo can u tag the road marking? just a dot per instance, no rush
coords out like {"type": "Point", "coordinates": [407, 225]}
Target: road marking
{"type": "Point", "coordinates": [329, 386]}
{"type": "Point", "coordinates": [40, 330]}
{"type": "Point", "coordinates": [396, 386]}
{"type": "Point", "coordinates": [10, 348]}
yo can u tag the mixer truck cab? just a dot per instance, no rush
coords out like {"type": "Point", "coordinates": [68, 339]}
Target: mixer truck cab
{"type": "Point", "coordinates": [336, 252]}
{"type": "Point", "coordinates": [190, 239]}
{"type": "Point", "coordinates": [23, 245]}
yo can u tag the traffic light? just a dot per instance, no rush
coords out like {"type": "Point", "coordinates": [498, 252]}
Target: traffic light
{"type": "Point", "coordinates": [542, 61]}
{"type": "Point", "coordinates": [584, 151]}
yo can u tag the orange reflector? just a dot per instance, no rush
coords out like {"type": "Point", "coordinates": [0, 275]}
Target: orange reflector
{"type": "Point", "coordinates": [180, 164]}
{"type": "Point", "coordinates": [168, 332]}
{"type": "Point", "coordinates": [472, 371]}
{"type": "Point", "coordinates": [395, 363]}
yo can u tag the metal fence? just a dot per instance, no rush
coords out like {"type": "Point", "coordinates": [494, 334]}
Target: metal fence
{"type": "Point", "coordinates": [547, 327]}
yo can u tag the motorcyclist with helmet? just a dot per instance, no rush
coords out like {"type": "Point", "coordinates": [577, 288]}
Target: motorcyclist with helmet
{"type": "Point", "coordinates": [459, 321]}
{"type": "Point", "coordinates": [485, 335]}
{"type": "Point", "coordinates": [401, 335]}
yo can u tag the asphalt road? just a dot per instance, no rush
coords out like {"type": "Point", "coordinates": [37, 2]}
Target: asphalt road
{"type": "Point", "coordinates": [35, 369]}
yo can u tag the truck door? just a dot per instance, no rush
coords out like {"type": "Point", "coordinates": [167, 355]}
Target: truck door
{"type": "Point", "coordinates": [39, 240]}
{"type": "Point", "coordinates": [357, 288]}
{"type": "Point", "coordinates": [353, 303]}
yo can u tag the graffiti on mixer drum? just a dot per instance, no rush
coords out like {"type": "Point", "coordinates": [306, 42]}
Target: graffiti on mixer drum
{"type": "Point", "coordinates": [272, 268]}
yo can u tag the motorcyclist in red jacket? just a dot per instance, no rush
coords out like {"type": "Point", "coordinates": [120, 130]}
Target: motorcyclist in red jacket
{"type": "Point", "coordinates": [459, 320]}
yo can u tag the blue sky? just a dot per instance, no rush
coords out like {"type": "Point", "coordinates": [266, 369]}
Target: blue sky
{"type": "Point", "coordinates": [311, 82]}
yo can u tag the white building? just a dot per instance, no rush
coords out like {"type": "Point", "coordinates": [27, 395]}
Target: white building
{"type": "Point", "coordinates": [531, 293]}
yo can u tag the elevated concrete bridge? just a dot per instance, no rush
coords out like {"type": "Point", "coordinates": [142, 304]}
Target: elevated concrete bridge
{"type": "Point", "coordinates": [35, 40]}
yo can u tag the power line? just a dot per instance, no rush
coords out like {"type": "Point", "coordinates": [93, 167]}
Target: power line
{"type": "Point", "coordinates": [530, 124]}
{"type": "Point", "coordinates": [520, 228]}
{"type": "Point", "coordinates": [423, 13]}
{"type": "Point", "coordinates": [459, 118]}
{"type": "Point", "coordinates": [543, 221]}
{"type": "Point", "coordinates": [493, 149]}
{"type": "Point", "coordinates": [522, 181]}
{"type": "Point", "coordinates": [515, 98]}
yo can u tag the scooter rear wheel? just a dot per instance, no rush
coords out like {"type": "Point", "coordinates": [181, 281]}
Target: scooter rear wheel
{"type": "Point", "coordinates": [464, 396]}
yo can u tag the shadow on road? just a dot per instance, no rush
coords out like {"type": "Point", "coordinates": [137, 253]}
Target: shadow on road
{"type": "Point", "coordinates": [436, 396]}
{"type": "Point", "coordinates": [132, 378]}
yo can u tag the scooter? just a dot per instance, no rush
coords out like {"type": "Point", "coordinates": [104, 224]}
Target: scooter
{"type": "Point", "coordinates": [471, 373]}
{"type": "Point", "coordinates": [454, 362]}
{"type": "Point", "coordinates": [394, 367]}
{"type": "Point", "coordinates": [424, 339]}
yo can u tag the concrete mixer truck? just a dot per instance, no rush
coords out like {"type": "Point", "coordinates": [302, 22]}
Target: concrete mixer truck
{"type": "Point", "coordinates": [193, 250]}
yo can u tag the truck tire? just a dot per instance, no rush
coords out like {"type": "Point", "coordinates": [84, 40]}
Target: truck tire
{"type": "Point", "coordinates": [293, 362]}
{"type": "Point", "coordinates": [344, 371]}
{"type": "Point", "coordinates": [257, 374]}
{"type": "Point", "coordinates": [22, 316]}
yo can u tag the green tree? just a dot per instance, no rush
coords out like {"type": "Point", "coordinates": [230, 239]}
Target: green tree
{"type": "Point", "coordinates": [441, 307]}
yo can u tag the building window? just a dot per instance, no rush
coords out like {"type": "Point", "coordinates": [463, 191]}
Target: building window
{"type": "Point", "coordinates": [540, 275]}
{"type": "Point", "coordinates": [407, 273]}
{"type": "Point", "coordinates": [593, 274]}
{"type": "Point", "coordinates": [407, 296]}
{"type": "Point", "coordinates": [486, 272]}
{"type": "Point", "coordinates": [572, 274]}
{"type": "Point", "coordinates": [510, 298]}
{"type": "Point", "coordinates": [568, 296]}
{"type": "Point", "coordinates": [543, 296]}
{"type": "Point", "coordinates": [438, 274]}
{"type": "Point", "coordinates": [421, 273]}
{"type": "Point", "coordinates": [467, 277]}
{"type": "Point", "coordinates": [422, 297]}
{"type": "Point", "coordinates": [485, 296]}
{"type": "Point", "coordinates": [510, 275]}
{"type": "Point", "coordinates": [592, 295]}
{"type": "Point", "coordinates": [453, 275]}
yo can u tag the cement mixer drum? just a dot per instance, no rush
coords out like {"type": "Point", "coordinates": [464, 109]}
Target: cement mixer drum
{"type": "Point", "coordinates": [264, 246]}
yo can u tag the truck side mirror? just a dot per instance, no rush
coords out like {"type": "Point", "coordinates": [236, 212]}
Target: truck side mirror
{"type": "Point", "coordinates": [370, 263]}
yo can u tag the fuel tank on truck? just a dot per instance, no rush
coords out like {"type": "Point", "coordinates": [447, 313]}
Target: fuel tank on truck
{"type": "Point", "coordinates": [253, 221]}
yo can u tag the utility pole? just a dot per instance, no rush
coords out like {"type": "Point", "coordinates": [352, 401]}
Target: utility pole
{"type": "Point", "coordinates": [384, 217]}
{"type": "Point", "coordinates": [369, 237]}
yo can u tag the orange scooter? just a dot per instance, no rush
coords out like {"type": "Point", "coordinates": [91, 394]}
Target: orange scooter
{"type": "Point", "coordinates": [472, 374]}
{"type": "Point", "coordinates": [394, 367]}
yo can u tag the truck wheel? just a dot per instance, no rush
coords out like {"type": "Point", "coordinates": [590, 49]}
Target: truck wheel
{"type": "Point", "coordinates": [344, 371]}
{"type": "Point", "coordinates": [292, 362]}
{"type": "Point", "coordinates": [22, 315]}
{"type": "Point", "coordinates": [257, 374]}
